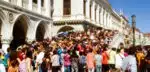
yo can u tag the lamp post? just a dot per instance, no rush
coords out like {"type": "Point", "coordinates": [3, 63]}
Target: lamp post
{"type": "Point", "coordinates": [133, 28]}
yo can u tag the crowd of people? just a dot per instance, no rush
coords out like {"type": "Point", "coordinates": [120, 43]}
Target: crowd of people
{"type": "Point", "coordinates": [76, 52]}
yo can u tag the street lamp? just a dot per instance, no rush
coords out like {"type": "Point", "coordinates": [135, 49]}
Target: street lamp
{"type": "Point", "coordinates": [133, 28]}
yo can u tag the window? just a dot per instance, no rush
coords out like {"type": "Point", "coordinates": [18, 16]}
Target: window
{"type": "Point", "coordinates": [35, 1]}
{"type": "Point", "coordinates": [84, 7]}
{"type": "Point", "coordinates": [67, 7]}
{"type": "Point", "coordinates": [90, 10]}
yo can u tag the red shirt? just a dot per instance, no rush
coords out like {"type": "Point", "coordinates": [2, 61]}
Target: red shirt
{"type": "Point", "coordinates": [105, 58]}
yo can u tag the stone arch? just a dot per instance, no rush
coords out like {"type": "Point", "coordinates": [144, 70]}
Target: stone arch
{"type": "Point", "coordinates": [65, 29]}
{"type": "Point", "coordinates": [40, 30]}
{"type": "Point", "coordinates": [19, 31]}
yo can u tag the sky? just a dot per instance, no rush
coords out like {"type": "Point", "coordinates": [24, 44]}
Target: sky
{"type": "Point", "coordinates": [141, 8]}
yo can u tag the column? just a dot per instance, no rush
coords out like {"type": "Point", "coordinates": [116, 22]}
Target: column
{"type": "Point", "coordinates": [47, 7]}
{"type": "Point", "coordinates": [30, 4]}
{"type": "Point", "coordinates": [19, 3]}
{"type": "Point", "coordinates": [93, 11]}
{"type": "Point", "coordinates": [97, 15]}
{"type": "Point", "coordinates": [101, 14]}
{"type": "Point", "coordinates": [88, 8]}
{"type": "Point", "coordinates": [108, 20]}
{"type": "Point", "coordinates": [39, 6]}
{"type": "Point", "coordinates": [5, 44]}
{"type": "Point", "coordinates": [104, 19]}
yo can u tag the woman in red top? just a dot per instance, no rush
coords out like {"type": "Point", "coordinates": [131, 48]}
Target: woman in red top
{"type": "Point", "coordinates": [105, 56]}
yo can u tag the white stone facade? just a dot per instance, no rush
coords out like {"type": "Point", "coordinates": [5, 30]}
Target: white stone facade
{"type": "Point", "coordinates": [27, 15]}
{"type": "Point", "coordinates": [105, 16]}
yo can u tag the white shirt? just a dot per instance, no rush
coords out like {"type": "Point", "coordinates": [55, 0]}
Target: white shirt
{"type": "Point", "coordinates": [40, 57]}
{"type": "Point", "coordinates": [2, 68]}
{"type": "Point", "coordinates": [130, 63]}
{"type": "Point", "coordinates": [55, 60]}
{"type": "Point", "coordinates": [119, 60]}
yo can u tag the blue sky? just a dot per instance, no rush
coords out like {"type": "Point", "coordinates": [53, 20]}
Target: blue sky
{"type": "Point", "coordinates": [141, 8]}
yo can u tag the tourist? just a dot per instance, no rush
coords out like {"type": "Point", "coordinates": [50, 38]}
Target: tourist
{"type": "Point", "coordinates": [98, 60]}
{"type": "Point", "coordinates": [74, 61]}
{"type": "Point", "coordinates": [13, 62]}
{"type": "Point", "coordinates": [140, 59]}
{"type": "Point", "coordinates": [147, 59]}
{"type": "Point", "coordinates": [40, 57]}
{"type": "Point", "coordinates": [2, 67]}
{"type": "Point", "coordinates": [22, 61]}
{"type": "Point", "coordinates": [111, 61]}
{"type": "Point", "coordinates": [67, 61]}
{"type": "Point", "coordinates": [129, 62]}
{"type": "Point", "coordinates": [90, 61]}
{"type": "Point", "coordinates": [82, 62]}
{"type": "Point", "coordinates": [29, 61]}
{"type": "Point", "coordinates": [55, 62]}
{"type": "Point", "coordinates": [119, 59]}
{"type": "Point", "coordinates": [105, 58]}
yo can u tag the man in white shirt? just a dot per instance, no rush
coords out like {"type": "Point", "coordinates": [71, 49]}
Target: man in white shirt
{"type": "Point", "coordinates": [39, 58]}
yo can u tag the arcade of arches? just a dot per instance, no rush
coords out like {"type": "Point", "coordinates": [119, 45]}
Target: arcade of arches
{"type": "Point", "coordinates": [20, 33]}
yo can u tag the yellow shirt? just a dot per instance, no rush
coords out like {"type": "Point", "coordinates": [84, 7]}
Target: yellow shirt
{"type": "Point", "coordinates": [139, 56]}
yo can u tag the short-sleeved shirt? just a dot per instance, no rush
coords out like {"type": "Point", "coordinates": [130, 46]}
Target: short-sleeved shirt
{"type": "Point", "coordinates": [90, 60]}
{"type": "Point", "coordinates": [98, 59]}
{"type": "Point", "coordinates": [105, 58]}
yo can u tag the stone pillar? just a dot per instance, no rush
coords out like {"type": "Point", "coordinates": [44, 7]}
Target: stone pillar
{"type": "Point", "coordinates": [5, 44]}
{"type": "Point", "coordinates": [104, 19]}
{"type": "Point", "coordinates": [93, 11]}
{"type": "Point", "coordinates": [102, 16]}
{"type": "Point", "coordinates": [88, 8]}
{"type": "Point", "coordinates": [30, 4]}
{"type": "Point", "coordinates": [108, 20]}
{"type": "Point", "coordinates": [97, 15]}
{"type": "Point", "coordinates": [47, 7]}
{"type": "Point", "coordinates": [48, 31]}
{"type": "Point", "coordinates": [39, 6]}
{"type": "Point", "coordinates": [19, 3]}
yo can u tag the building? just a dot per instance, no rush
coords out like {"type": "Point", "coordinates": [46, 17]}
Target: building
{"type": "Point", "coordinates": [80, 14]}
{"type": "Point", "coordinates": [24, 21]}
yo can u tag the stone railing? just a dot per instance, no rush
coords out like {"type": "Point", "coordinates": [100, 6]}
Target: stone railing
{"type": "Point", "coordinates": [69, 17]}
